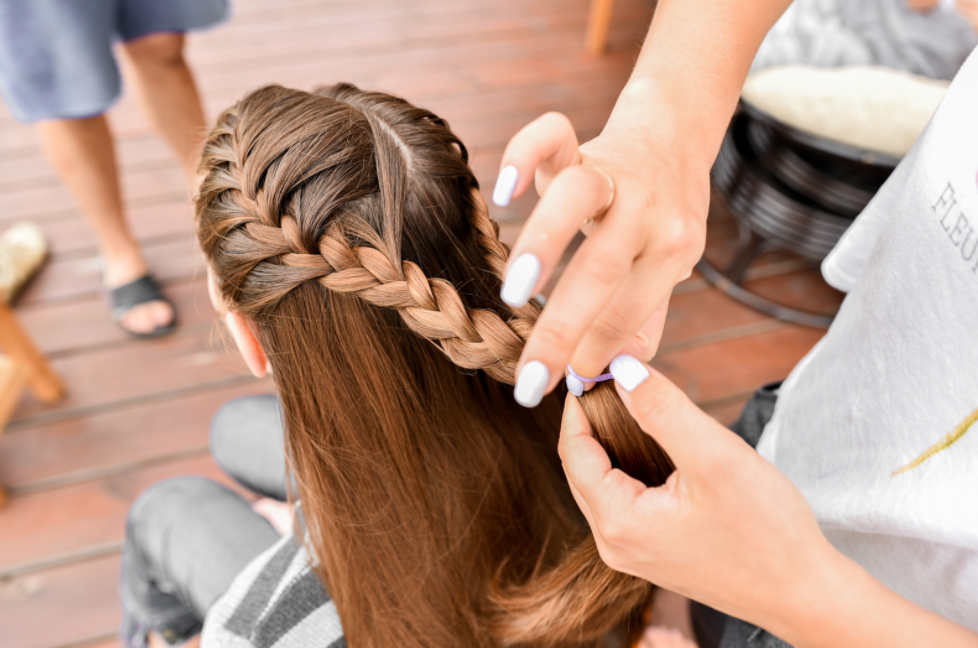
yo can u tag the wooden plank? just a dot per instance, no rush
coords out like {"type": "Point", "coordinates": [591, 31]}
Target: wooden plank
{"type": "Point", "coordinates": [805, 289]}
{"type": "Point", "coordinates": [71, 277]}
{"type": "Point", "coordinates": [714, 372]}
{"type": "Point", "coordinates": [111, 442]}
{"type": "Point", "coordinates": [77, 520]}
{"type": "Point", "coordinates": [187, 360]}
{"type": "Point", "coordinates": [44, 383]}
{"type": "Point", "coordinates": [70, 236]}
{"type": "Point", "coordinates": [71, 604]}
{"type": "Point", "coordinates": [138, 188]}
{"type": "Point", "coordinates": [91, 321]}
{"type": "Point", "coordinates": [704, 313]}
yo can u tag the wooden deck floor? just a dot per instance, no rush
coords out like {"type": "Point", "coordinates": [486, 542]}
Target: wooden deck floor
{"type": "Point", "coordinates": [138, 412]}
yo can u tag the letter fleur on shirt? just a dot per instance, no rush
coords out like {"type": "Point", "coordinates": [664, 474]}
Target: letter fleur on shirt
{"type": "Point", "coordinates": [959, 228]}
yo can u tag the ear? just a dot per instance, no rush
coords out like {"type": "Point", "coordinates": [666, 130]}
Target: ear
{"type": "Point", "coordinates": [247, 343]}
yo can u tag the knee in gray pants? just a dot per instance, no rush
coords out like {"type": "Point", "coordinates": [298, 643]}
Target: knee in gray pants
{"type": "Point", "coordinates": [248, 443]}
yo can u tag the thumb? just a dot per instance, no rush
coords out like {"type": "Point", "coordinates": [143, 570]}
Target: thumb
{"type": "Point", "coordinates": [688, 434]}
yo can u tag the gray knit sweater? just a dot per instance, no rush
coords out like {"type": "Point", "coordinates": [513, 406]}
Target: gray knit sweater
{"type": "Point", "coordinates": [276, 602]}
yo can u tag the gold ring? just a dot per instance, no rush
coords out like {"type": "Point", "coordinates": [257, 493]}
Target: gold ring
{"type": "Point", "coordinates": [611, 197]}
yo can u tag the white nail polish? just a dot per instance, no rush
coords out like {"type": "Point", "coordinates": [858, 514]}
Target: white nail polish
{"type": "Point", "coordinates": [574, 385]}
{"type": "Point", "coordinates": [628, 372]}
{"type": "Point", "coordinates": [531, 384]}
{"type": "Point", "coordinates": [520, 280]}
{"type": "Point", "coordinates": [505, 185]}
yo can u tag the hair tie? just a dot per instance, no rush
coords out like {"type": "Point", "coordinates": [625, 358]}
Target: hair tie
{"type": "Point", "coordinates": [598, 379]}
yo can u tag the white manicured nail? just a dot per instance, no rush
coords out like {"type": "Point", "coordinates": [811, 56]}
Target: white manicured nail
{"type": "Point", "coordinates": [505, 185]}
{"type": "Point", "coordinates": [628, 372]}
{"type": "Point", "coordinates": [574, 385]}
{"type": "Point", "coordinates": [531, 384]}
{"type": "Point", "coordinates": [520, 280]}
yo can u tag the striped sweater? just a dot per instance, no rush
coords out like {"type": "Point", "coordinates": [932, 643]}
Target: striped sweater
{"type": "Point", "coordinates": [276, 602]}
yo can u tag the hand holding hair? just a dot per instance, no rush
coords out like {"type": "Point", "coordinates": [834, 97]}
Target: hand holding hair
{"type": "Point", "coordinates": [652, 162]}
{"type": "Point", "coordinates": [641, 242]}
{"type": "Point", "coordinates": [729, 530]}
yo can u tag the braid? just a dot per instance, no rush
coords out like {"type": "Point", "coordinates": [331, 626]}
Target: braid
{"type": "Point", "coordinates": [432, 308]}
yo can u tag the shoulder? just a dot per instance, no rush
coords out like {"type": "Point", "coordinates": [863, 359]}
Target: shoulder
{"type": "Point", "coordinates": [276, 602]}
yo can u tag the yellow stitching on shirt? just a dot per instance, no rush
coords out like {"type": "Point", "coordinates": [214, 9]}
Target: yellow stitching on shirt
{"type": "Point", "coordinates": [943, 444]}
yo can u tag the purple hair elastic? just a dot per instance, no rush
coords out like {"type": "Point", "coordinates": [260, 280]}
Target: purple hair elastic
{"type": "Point", "coordinates": [598, 379]}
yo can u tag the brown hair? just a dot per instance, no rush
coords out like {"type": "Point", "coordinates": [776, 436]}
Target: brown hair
{"type": "Point", "coordinates": [347, 227]}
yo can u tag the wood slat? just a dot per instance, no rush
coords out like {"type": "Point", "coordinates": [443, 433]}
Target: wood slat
{"type": "Point", "coordinates": [91, 321]}
{"type": "Point", "coordinates": [111, 442]}
{"type": "Point", "coordinates": [83, 518]}
{"type": "Point", "coordinates": [182, 362]}
{"type": "Point", "coordinates": [714, 372]}
{"type": "Point", "coordinates": [68, 605]}
{"type": "Point", "coordinates": [70, 277]}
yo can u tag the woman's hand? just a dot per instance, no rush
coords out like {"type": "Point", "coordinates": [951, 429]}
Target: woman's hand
{"type": "Point", "coordinates": [729, 530]}
{"type": "Point", "coordinates": [637, 249]}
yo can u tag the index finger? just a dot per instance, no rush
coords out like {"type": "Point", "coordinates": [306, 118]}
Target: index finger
{"type": "Point", "coordinates": [548, 143]}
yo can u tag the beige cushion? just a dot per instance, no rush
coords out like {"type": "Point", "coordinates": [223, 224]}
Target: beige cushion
{"type": "Point", "coordinates": [874, 108]}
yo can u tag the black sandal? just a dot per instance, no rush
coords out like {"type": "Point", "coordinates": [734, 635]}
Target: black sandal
{"type": "Point", "coordinates": [141, 291]}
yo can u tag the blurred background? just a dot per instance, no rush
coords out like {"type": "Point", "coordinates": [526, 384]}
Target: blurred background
{"type": "Point", "coordinates": [136, 412]}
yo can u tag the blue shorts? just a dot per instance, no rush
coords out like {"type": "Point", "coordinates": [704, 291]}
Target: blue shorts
{"type": "Point", "coordinates": [56, 58]}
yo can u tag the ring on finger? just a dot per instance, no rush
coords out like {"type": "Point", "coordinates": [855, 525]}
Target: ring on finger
{"type": "Point", "coordinates": [611, 196]}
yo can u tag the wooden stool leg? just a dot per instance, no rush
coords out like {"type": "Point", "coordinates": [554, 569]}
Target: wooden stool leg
{"type": "Point", "coordinates": [598, 22]}
{"type": "Point", "coordinates": [44, 383]}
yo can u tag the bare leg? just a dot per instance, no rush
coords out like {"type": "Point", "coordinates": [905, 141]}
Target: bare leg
{"type": "Point", "coordinates": [166, 89]}
{"type": "Point", "coordinates": [83, 153]}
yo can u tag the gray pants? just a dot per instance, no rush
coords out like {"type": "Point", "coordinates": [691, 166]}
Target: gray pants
{"type": "Point", "coordinates": [188, 538]}
{"type": "Point", "coordinates": [714, 628]}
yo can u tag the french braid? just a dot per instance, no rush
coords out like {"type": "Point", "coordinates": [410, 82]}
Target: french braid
{"type": "Point", "coordinates": [432, 308]}
{"type": "Point", "coordinates": [291, 200]}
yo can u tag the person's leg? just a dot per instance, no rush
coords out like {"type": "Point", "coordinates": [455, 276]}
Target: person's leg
{"type": "Point", "coordinates": [186, 541]}
{"type": "Point", "coordinates": [167, 91]}
{"type": "Point", "coordinates": [82, 151]}
{"type": "Point", "coordinates": [248, 443]}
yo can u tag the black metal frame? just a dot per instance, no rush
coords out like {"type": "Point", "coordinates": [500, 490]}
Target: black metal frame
{"type": "Point", "coordinates": [787, 190]}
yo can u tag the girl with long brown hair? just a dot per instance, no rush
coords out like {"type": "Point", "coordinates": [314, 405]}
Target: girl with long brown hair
{"type": "Point", "coordinates": [352, 255]}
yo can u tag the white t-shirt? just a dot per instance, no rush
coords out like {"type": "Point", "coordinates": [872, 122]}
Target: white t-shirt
{"type": "Point", "coordinates": [875, 424]}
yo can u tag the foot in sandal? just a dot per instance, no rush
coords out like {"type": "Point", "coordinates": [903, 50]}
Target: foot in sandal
{"type": "Point", "coordinates": [660, 637]}
{"type": "Point", "coordinates": [138, 305]}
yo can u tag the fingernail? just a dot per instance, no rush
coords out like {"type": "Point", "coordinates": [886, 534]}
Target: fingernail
{"type": "Point", "coordinates": [574, 385]}
{"type": "Point", "coordinates": [531, 384]}
{"type": "Point", "coordinates": [520, 280]}
{"type": "Point", "coordinates": [505, 185]}
{"type": "Point", "coordinates": [628, 372]}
